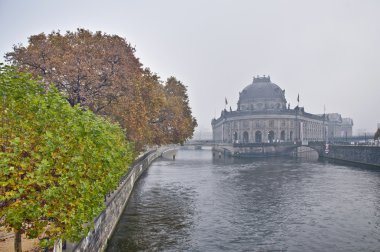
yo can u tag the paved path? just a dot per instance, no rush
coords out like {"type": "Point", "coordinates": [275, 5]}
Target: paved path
{"type": "Point", "coordinates": [6, 242]}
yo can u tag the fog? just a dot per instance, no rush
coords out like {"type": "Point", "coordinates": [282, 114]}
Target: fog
{"type": "Point", "coordinates": [326, 51]}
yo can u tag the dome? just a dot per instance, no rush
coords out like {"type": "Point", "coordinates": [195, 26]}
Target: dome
{"type": "Point", "coordinates": [261, 88]}
{"type": "Point", "coordinates": [262, 94]}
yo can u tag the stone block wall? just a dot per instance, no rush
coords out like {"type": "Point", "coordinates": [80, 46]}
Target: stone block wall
{"type": "Point", "coordinates": [105, 223]}
{"type": "Point", "coordinates": [358, 154]}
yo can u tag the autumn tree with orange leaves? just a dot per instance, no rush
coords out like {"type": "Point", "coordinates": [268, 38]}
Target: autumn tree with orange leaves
{"type": "Point", "coordinates": [178, 123]}
{"type": "Point", "coordinates": [101, 72]}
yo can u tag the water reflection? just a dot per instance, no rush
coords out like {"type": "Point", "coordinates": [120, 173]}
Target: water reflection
{"type": "Point", "coordinates": [158, 215]}
{"type": "Point", "coordinates": [201, 203]}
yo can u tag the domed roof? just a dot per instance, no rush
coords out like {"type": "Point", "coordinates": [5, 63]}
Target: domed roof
{"type": "Point", "coordinates": [262, 88]}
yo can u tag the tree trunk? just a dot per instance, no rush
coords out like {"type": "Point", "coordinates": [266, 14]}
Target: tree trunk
{"type": "Point", "coordinates": [17, 243]}
{"type": "Point", "coordinates": [57, 246]}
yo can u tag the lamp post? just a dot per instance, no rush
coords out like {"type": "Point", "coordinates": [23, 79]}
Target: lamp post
{"type": "Point", "coordinates": [296, 126]}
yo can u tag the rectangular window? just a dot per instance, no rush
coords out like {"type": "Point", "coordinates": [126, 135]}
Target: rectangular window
{"type": "Point", "coordinates": [258, 124]}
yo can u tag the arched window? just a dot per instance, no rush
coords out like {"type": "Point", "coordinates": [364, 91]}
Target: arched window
{"type": "Point", "coordinates": [245, 137]}
{"type": "Point", "coordinates": [271, 136]}
{"type": "Point", "coordinates": [291, 136]}
{"type": "Point", "coordinates": [258, 137]}
{"type": "Point", "coordinates": [282, 135]}
{"type": "Point", "coordinates": [235, 137]}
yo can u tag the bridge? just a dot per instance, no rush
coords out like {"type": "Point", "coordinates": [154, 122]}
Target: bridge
{"type": "Point", "coordinates": [198, 144]}
{"type": "Point", "coordinates": [211, 143]}
{"type": "Point", "coordinates": [336, 149]}
{"type": "Point", "coordinates": [251, 149]}
{"type": "Point", "coordinates": [352, 140]}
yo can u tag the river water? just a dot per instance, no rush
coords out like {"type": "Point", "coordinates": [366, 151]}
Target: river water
{"type": "Point", "coordinates": [201, 203]}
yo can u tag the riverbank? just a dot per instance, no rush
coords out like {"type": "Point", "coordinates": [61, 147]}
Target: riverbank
{"type": "Point", "coordinates": [107, 220]}
{"type": "Point", "coordinates": [116, 201]}
{"type": "Point", "coordinates": [361, 155]}
{"type": "Point", "coordinates": [203, 203]}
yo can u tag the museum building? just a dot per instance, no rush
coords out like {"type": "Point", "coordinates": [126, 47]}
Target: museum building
{"type": "Point", "coordinates": [264, 116]}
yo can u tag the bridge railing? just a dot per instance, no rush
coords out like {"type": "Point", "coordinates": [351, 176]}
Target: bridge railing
{"type": "Point", "coordinates": [201, 142]}
{"type": "Point", "coordinates": [295, 143]}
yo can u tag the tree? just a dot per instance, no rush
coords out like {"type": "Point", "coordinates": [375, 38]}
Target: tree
{"type": "Point", "coordinates": [57, 161]}
{"type": "Point", "coordinates": [178, 124]}
{"type": "Point", "coordinates": [92, 69]}
{"type": "Point", "coordinates": [377, 134]}
{"type": "Point", "coordinates": [138, 111]}
{"type": "Point", "coordinates": [101, 72]}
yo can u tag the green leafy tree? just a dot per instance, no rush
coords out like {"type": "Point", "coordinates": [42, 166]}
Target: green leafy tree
{"type": "Point", "coordinates": [57, 162]}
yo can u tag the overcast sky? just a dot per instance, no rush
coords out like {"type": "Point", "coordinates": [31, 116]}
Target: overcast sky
{"type": "Point", "coordinates": [327, 51]}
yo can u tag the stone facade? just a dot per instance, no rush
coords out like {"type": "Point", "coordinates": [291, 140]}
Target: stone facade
{"type": "Point", "coordinates": [263, 117]}
{"type": "Point", "coordinates": [338, 127]}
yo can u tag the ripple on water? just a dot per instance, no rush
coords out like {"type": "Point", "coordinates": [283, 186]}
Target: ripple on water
{"type": "Point", "coordinates": [198, 203]}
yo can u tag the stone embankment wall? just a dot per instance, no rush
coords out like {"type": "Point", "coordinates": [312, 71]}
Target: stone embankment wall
{"type": "Point", "coordinates": [368, 155]}
{"type": "Point", "coordinates": [252, 150]}
{"type": "Point", "coordinates": [105, 223]}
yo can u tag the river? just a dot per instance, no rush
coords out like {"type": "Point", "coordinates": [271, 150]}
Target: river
{"type": "Point", "coordinates": [201, 203]}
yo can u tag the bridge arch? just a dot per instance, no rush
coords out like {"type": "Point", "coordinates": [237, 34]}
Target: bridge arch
{"type": "Point", "coordinates": [318, 146]}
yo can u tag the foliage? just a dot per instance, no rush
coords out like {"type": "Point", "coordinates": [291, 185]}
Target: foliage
{"type": "Point", "coordinates": [90, 68]}
{"type": "Point", "coordinates": [377, 134]}
{"type": "Point", "coordinates": [100, 71]}
{"type": "Point", "coordinates": [178, 124]}
{"type": "Point", "coordinates": [136, 111]}
{"type": "Point", "coordinates": [57, 162]}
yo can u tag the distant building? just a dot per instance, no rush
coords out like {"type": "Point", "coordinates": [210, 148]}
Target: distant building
{"type": "Point", "coordinates": [338, 126]}
{"type": "Point", "coordinates": [263, 115]}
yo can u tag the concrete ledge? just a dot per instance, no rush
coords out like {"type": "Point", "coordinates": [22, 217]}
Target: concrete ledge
{"type": "Point", "coordinates": [352, 163]}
